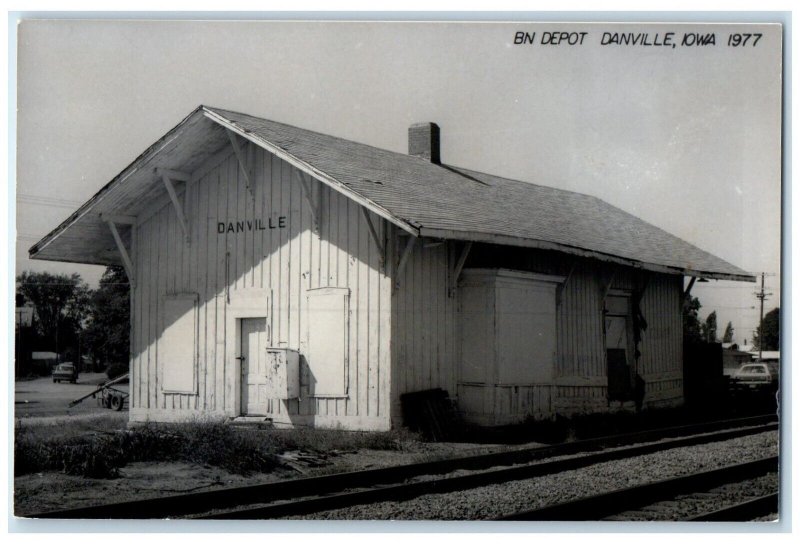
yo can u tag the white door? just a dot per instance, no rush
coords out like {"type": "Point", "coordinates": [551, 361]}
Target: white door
{"type": "Point", "coordinates": [253, 356]}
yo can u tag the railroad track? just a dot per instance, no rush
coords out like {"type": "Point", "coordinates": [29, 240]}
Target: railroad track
{"type": "Point", "coordinates": [306, 496]}
{"type": "Point", "coordinates": [623, 504]}
{"type": "Point", "coordinates": [742, 511]}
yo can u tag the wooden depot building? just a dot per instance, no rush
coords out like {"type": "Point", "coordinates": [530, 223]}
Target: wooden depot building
{"type": "Point", "coordinates": [281, 273]}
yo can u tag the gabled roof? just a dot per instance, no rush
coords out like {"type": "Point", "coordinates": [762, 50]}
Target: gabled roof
{"type": "Point", "coordinates": [423, 198]}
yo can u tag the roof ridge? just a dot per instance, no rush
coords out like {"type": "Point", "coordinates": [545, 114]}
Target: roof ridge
{"type": "Point", "coordinates": [295, 127]}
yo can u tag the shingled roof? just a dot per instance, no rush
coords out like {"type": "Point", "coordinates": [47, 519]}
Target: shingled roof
{"type": "Point", "coordinates": [422, 197]}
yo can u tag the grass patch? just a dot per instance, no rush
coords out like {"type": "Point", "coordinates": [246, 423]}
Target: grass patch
{"type": "Point", "coordinates": [326, 440]}
{"type": "Point", "coordinates": [100, 449]}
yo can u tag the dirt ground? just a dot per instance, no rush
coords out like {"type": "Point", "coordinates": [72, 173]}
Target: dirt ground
{"type": "Point", "coordinates": [42, 492]}
{"type": "Point", "coordinates": [46, 491]}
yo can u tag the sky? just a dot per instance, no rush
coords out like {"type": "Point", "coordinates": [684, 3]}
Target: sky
{"type": "Point", "coordinates": [685, 137]}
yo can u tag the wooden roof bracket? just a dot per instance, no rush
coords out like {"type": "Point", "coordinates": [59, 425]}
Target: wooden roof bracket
{"type": "Point", "coordinates": [607, 287]}
{"type": "Point", "coordinates": [642, 284]}
{"type": "Point", "coordinates": [374, 233]}
{"type": "Point", "coordinates": [560, 287]}
{"type": "Point", "coordinates": [314, 205]}
{"type": "Point", "coordinates": [119, 219]}
{"type": "Point", "coordinates": [462, 259]}
{"type": "Point", "coordinates": [168, 176]}
{"type": "Point", "coordinates": [126, 259]}
{"type": "Point", "coordinates": [687, 292]}
{"type": "Point", "coordinates": [403, 258]}
{"type": "Point", "coordinates": [243, 163]}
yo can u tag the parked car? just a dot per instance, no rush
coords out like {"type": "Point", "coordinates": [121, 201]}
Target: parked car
{"type": "Point", "coordinates": [65, 371]}
{"type": "Point", "coordinates": [756, 377]}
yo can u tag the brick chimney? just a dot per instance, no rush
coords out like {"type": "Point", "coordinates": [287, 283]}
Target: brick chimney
{"type": "Point", "coordinates": [423, 141]}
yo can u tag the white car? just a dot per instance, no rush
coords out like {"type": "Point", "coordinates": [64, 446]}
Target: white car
{"type": "Point", "coordinates": [756, 376]}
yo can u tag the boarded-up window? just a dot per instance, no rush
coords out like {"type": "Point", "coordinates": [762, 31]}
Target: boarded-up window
{"type": "Point", "coordinates": [328, 321]}
{"type": "Point", "coordinates": [526, 332]}
{"type": "Point", "coordinates": [177, 346]}
{"type": "Point", "coordinates": [508, 327]}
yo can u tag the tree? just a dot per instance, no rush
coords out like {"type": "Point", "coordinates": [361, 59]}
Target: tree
{"type": "Point", "coordinates": [770, 340]}
{"type": "Point", "coordinates": [728, 336]}
{"type": "Point", "coordinates": [691, 324]}
{"type": "Point", "coordinates": [709, 329]}
{"type": "Point", "coordinates": [60, 303]}
{"type": "Point", "coordinates": [107, 331]}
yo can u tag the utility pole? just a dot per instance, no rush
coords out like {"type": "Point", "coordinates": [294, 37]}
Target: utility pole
{"type": "Point", "coordinates": [761, 295]}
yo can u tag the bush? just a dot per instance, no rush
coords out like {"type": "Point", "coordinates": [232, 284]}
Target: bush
{"type": "Point", "coordinates": [91, 458]}
{"type": "Point", "coordinates": [94, 459]}
{"type": "Point", "coordinates": [115, 370]}
{"type": "Point", "coordinates": [100, 454]}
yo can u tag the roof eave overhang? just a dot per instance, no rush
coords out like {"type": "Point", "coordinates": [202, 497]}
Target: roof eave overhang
{"type": "Point", "coordinates": [140, 162]}
{"type": "Point", "coordinates": [35, 251]}
{"type": "Point", "coordinates": [409, 226]}
{"type": "Point", "coordinates": [501, 239]}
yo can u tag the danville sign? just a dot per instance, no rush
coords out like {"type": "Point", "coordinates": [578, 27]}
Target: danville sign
{"type": "Point", "coordinates": [251, 225]}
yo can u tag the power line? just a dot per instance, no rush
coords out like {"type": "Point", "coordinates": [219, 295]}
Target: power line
{"type": "Point", "coordinates": [48, 201]}
{"type": "Point", "coordinates": [29, 237]}
{"type": "Point", "coordinates": [750, 286]}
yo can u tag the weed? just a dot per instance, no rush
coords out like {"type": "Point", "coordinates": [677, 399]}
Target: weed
{"type": "Point", "coordinates": [101, 452]}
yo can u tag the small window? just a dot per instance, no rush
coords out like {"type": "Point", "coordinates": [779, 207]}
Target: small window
{"type": "Point", "coordinates": [177, 346]}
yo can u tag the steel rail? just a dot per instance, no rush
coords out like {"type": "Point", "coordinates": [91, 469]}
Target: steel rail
{"type": "Point", "coordinates": [405, 491]}
{"type": "Point", "coordinates": [597, 507]}
{"type": "Point", "coordinates": [743, 511]}
{"type": "Point", "coordinates": [194, 503]}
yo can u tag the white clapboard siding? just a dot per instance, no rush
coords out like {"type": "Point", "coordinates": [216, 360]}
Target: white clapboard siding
{"type": "Point", "coordinates": [415, 327]}
{"type": "Point", "coordinates": [266, 272]}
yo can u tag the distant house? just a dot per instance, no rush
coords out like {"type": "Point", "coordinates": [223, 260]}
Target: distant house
{"type": "Point", "coordinates": [766, 356]}
{"type": "Point", "coordinates": [50, 356]}
{"type": "Point", "coordinates": [42, 361]}
{"type": "Point", "coordinates": [282, 273]}
{"type": "Point", "coordinates": [732, 359]}
{"type": "Point", "coordinates": [23, 316]}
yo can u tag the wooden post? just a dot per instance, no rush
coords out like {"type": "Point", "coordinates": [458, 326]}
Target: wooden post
{"type": "Point", "coordinates": [403, 258]}
{"type": "Point", "coordinates": [173, 196]}
{"type": "Point", "coordinates": [126, 260]}
{"type": "Point", "coordinates": [560, 287]}
{"type": "Point", "coordinates": [242, 160]}
{"type": "Point", "coordinates": [307, 193]}
{"type": "Point", "coordinates": [462, 259]}
{"type": "Point", "coordinates": [374, 233]}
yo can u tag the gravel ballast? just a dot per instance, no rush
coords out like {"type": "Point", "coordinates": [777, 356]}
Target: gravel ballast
{"type": "Point", "coordinates": [507, 498]}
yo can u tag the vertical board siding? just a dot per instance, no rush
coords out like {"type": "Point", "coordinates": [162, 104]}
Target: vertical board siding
{"type": "Point", "coordinates": [399, 340]}
{"type": "Point", "coordinates": [580, 382]}
{"type": "Point", "coordinates": [661, 362]}
{"type": "Point", "coordinates": [284, 263]}
{"type": "Point", "coordinates": [580, 324]}
{"type": "Point", "coordinates": [423, 325]}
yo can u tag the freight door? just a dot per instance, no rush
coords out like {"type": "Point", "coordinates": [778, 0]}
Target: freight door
{"type": "Point", "coordinates": [618, 347]}
{"type": "Point", "coordinates": [253, 357]}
